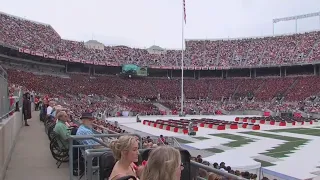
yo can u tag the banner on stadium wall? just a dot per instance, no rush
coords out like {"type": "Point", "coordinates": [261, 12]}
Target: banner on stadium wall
{"type": "Point", "coordinates": [26, 51]}
{"type": "Point", "coordinates": [64, 58]}
{"type": "Point", "coordinates": [39, 53]}
{"type": "Point", "coordinates": [75, 60]}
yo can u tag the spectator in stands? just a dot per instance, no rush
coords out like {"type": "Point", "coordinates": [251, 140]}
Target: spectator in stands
{"type": "Point", "coordinates": [164, 163]}
{"type": "Point", "coordinates": [36, 103]}
{"type": "Point", "coordinates": [26, 109]}
{"type": "Point", "coordinates": [86, 129]}
{"type": "Point", "coordinates": [62, 130]}
{"type": "Point", "coordinates": [50, 109]}
{"type": "Point", "coordinates": [126, 152]}
{"type": "Point", "coordinates": [162, 140]}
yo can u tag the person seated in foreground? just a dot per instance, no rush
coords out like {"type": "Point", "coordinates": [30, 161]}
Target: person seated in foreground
{"type": "Point", "coordinates": [164, 163]}
{"type": "Point", "coordinates": [86, 129]}
{"type": "Point", "coordinates": [126, 152]}
{"type": "Point", "coordinates": [62, 130]}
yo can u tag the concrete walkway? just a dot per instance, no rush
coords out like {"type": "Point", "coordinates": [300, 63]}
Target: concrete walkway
{"type": "Point", "coordinates": [31, 158]}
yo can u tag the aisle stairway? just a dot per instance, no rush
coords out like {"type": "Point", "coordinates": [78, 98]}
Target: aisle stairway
{"type": "Point", "coordinates": [31, 158]}
{"type": "Point", "coordinates": [162, 107]}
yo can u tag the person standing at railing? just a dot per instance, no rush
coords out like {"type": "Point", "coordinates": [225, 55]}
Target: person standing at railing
{"type": "Point", "coordinates": [26, 109]}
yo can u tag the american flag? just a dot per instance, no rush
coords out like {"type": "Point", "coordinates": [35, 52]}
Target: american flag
{"type": "Point", "coordinates": [184, 11]}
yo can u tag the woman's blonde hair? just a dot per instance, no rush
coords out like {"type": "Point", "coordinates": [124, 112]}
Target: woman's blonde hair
{"type": "Point", "coordinates": [123, 143]}
{"type": "Point", "coordinates": [162, 164]}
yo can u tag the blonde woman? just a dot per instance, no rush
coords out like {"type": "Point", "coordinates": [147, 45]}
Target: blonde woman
{"type": "Point", "coordinates": [126, 152]}
{"type": "Point", "coordinates": [164, 163]}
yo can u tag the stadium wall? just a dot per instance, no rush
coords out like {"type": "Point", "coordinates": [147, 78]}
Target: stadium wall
{"type": "Point", "coordinates": [9, 131]}
{"type": "Point", "coordinates": [247, 112]}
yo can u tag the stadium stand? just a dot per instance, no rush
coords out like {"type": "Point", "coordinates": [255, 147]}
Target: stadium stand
{"type": "Point", "coordinates": [279, 50]}
{"type": "Point", "coordinates": [84, 91]}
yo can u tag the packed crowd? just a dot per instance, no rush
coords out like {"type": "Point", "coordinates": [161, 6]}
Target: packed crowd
{"type": "Point", "coordinates": [221, 166]}
{"type": "Point", "coordinates": [42, 38]}
{"type": "Point", "coordinates": [293, 89]}
{"type": "Point", "coordinates": [115, 95]}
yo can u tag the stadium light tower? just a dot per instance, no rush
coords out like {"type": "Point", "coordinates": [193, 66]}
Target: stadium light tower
{"type": "Point", "coordinates": [295, 18]}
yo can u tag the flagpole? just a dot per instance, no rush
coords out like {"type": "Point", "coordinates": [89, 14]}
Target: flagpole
{"type": "Point", "coordinates": [182, 54]}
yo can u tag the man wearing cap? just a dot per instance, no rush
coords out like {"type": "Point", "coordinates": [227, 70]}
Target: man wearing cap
{"type": "Point", "coordinates": [86, 129]}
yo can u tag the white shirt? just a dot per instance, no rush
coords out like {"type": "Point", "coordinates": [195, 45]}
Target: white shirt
{"type": "Point", "coordinates": [49, 110]}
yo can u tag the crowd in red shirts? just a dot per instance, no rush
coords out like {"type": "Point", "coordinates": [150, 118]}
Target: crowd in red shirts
{"type": "Point", "coordinates": [201, 96]}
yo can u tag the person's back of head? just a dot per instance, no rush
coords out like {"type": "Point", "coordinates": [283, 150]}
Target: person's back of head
{"type": "Point", "coordinates": [164, 163]}
{"type": "Point", "coordinates": [213, 176]}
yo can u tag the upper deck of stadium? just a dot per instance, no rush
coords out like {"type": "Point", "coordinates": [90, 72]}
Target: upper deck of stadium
{"type": "Point", "coordinates": [43, 40]}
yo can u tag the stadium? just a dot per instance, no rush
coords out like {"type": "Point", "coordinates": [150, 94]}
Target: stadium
{"type": "Point", "coordinates": [242, 109]}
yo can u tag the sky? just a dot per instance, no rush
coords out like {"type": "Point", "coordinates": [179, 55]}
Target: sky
{"type": "Point", "coordinates": [143, 23]}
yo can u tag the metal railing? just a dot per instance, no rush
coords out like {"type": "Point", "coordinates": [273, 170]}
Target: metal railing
{"type": "Point", "coordinates": [5, 108]}
{"type": "Point", "coordinates": [88, 163]}
{"type": "Point", "coordinates": [4, 95]}
{"type": "Point", "coordinates": [91, 154]}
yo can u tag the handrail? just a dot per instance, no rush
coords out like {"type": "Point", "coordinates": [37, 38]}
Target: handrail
{"type": "Point", "coordinates": [92, 137]}
{"type": "Point", "coordinates": [6, 115]}
{"type": "Point", "coordinates": [104, 128]}
{"type": "Point", "coordinates": [175, 141]}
